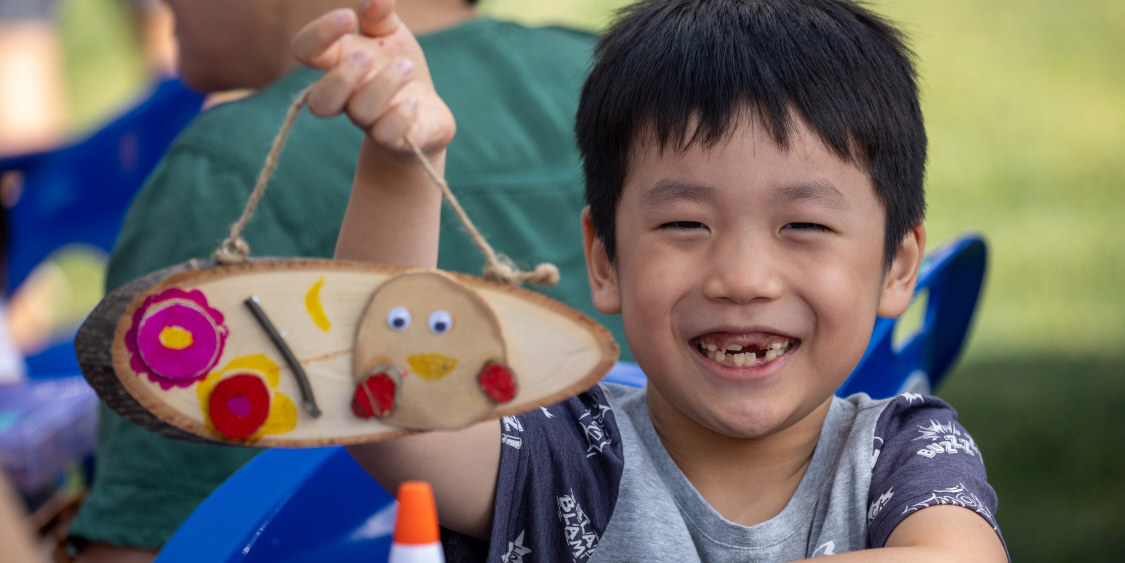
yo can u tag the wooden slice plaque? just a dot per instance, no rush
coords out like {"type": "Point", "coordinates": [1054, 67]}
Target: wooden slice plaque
{"type": "Point", "coordinates": [181, 353]}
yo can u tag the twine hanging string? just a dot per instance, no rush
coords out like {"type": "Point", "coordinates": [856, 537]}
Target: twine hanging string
{"type": "Point", "coordinates": [497, 267]}
{"type": "Point", "coordinates": [235, 249]}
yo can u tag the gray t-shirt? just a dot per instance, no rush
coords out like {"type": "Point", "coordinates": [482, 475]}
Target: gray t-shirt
{"type": "Point", "coordinates": [589, 480]}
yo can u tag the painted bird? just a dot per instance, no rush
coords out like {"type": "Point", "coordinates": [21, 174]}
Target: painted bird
{"type": "Point", "coordinates": [429, 354]}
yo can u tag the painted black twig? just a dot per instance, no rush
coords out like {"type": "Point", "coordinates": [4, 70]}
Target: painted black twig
{"type": "Point", "coordinates": [307, 398]}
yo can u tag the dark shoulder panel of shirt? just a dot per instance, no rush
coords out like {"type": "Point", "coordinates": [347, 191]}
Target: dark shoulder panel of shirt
{"type": "Point", "coordinates": [923, 457]}
{"type": "Point", "coordinates": [460, 548]}
{"type": "Point", "coordinates": [560, 468]}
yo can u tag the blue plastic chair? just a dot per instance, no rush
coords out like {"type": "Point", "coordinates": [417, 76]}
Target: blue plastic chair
{"type": "Point", "coordinates": [319, 505]}
{"type": "Point", "coordinates": [78, 194]}
{"type": "Point", "coordinates": [951, 279]}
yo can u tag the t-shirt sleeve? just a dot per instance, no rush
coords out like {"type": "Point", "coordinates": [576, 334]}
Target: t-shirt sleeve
{"type": "Point", "coordinates": [560, 468]}
{"type": "Point", "coordinates": [923, 457]}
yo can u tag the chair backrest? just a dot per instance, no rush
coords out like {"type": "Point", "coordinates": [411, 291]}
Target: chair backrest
{"type": "Point", "coordinates": [319, 505]}
{"type": "Point", "coordinates": [79, 194]}
{"type": "Point", "coordinates": [950, 281]}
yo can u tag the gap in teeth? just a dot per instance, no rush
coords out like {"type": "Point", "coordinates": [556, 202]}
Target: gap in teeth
{"type": "Point", "coordinates": [738, 358]}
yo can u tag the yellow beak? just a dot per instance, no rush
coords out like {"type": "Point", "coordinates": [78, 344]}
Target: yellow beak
{"type": "Point", "coordinates": [432, 366]}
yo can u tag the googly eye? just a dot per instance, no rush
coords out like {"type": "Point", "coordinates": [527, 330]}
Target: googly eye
{"type": "Point", "coordinates": [440, 322]}
{"type": "Point", "coordinates": [398, 318]}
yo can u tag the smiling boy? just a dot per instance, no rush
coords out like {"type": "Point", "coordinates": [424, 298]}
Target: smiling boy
{"type": "Point", "coordinates": [754, 179]}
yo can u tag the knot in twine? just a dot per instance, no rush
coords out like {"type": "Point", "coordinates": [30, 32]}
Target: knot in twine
{"type": "Point", "coordinates": [231, 251]}
{"type": "Point", "coordinates": [504, 271]}
{"type": "Point", "coordinates": [235, 249]}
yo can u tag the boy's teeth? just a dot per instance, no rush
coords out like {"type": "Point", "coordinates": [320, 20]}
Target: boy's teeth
{"type": "Point", "coordinates": [732, 348]}
{"type": "Point", "coordinates": [733, 355]}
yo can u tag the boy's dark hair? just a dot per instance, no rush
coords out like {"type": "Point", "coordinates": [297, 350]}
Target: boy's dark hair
{"type": "Point", "coordinates": [845, 71]}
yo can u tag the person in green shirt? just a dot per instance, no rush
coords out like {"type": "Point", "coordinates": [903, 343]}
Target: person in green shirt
{"type": "Point", "coordinates": [513, 165]}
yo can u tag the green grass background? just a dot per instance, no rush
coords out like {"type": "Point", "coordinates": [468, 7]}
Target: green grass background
{"type": "Point", "coordinates": [1025, 107]}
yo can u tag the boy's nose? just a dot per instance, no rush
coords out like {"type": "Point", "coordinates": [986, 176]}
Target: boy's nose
{"type": "Point", "coordinates": [742, 272]}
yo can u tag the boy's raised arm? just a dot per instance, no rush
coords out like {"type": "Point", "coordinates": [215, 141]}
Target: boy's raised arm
{"type": "Point", "coordinates": [379, 78]}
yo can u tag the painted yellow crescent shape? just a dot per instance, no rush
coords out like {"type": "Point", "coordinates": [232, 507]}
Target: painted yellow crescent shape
{"type": "Point", "coordinates": [316, 309]}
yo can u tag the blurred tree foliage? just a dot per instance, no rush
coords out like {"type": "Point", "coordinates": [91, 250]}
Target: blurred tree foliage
{"type": "Point", "coordinates": [104, 69]}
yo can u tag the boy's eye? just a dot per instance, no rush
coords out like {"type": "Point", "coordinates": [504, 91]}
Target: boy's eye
{"type": "Point", "coordinates": [683, 225]}
{"type": "Point", "coordinates": [807, 227]}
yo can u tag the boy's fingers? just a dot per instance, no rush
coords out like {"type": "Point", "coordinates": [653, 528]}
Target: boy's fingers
{"type": "Point", "coordinates": [330, 94]}
{"type": "Point", "coordinates": [372, 99]}
{"type": "Point", "coordinates": [391, 128]}
{"type": "Point", "coordinates": [317, 44]}
{"type": "Point", "coordinates": [377, 17]}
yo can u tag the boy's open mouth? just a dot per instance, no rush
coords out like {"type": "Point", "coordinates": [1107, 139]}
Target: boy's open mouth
{"type": "Point", "coordinates": [745, 350]}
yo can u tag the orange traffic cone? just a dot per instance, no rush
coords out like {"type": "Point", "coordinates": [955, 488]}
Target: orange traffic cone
{"type": "Point", "coordinates": [417, 539]}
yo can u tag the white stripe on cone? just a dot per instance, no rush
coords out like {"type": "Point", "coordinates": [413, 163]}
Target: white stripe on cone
{"type": "Point", "coordinates": [416, 553]}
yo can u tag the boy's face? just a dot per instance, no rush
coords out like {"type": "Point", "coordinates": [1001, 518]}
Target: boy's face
{"type": "Point", "coordinates": [741, 249]}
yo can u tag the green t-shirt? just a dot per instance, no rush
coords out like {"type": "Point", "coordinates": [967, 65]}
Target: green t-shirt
{"type": "Point", "coordinates": [513, 165]}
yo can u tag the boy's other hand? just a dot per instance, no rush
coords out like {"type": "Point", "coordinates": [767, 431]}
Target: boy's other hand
{"type": "Point", "coordinates": [376, 73]}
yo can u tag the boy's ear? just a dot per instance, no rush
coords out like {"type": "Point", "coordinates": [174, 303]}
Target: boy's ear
{"type": "Point", "coordinates": [898, 283]}
{"type": "Point", "coordinates": [602, 273]}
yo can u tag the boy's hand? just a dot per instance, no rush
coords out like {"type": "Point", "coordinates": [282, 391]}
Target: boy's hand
{"type": "Point", "coordinates": [377, 76]}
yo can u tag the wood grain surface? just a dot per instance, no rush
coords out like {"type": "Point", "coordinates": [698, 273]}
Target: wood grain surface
{"type": "Point", "coordinates": [554, 350]}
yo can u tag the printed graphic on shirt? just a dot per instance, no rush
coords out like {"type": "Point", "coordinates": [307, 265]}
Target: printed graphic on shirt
{"type": "Point", "coordinates": [879, 503]}
{"type": "Point", "coordinates": [546, 412]}
{"type": "Point", "coordinates": [957, 496]}
{"type": "Point", "coordinates": [510, 434]}
{"type": "Point", "coordinates": [593, 425]}
{"type": "Point", "coordinates": [580, 535]}
{"type": "Point", "coordinates": [910, 398]}
{"type": "Point", "coordinates": [946, 439]}
{"type": "Point", "coordinates": [516, 550]}
{"type": "Point", "coordinates": [921, 451]}
{"type": "Point", "coordinates": [827, 548]}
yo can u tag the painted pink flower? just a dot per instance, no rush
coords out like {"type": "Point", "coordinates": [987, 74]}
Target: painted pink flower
{"type": "Point", "coordinates": [176, 338]}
